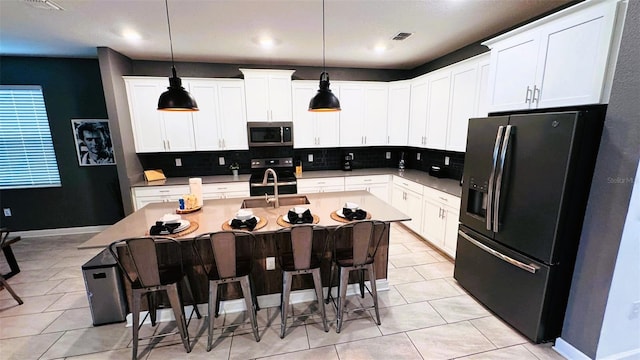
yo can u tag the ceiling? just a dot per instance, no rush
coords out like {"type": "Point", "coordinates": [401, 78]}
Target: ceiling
{"type": "Point", "coordinates": [229, 31]}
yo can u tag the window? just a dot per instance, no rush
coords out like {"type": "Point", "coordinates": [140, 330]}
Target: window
{"type": "Point", "coordinates": [27, 158]}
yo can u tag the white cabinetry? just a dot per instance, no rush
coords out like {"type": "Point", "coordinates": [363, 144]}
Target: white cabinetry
{"type": "Point", "coordinates": [153, 130]}
{"type": "Point", "coordinates": [152, 194]}
{"type": "Point", "coordinates": [406, 196]}
{"type": "Point", "coordinates": [441, 212]}
{"type": "Point", "coordinates": [225, 190]}
{"type": "Point", "coordinates": [398, 113]}
{"type": "Point", "coordinates": [268, 94]}
{"type": "Point", "coordinates": [377, 185]}
{"type": "Point", "coordinates": [220, 124]}
{"type": "Point", "coordinates": [363, 119]}
{"type": "Point", "coordinates": [560, 60]}
{"type": "Point", "coordinates": [438, 108]}
{"type": "Point", "coordinates": [318, 185]}
{"type": "Point", "coordinates": [418, 111]}
{"type": "Point", "coordinates": [313, 129]}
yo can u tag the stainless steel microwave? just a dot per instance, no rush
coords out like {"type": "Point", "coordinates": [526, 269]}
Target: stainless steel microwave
{"type": "Point", "coordinates": [270, 133]}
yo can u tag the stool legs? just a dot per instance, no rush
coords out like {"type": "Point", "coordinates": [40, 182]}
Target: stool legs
{"type": "Point", "coordinates": [213, 310]}
{"type": "Point", "coordinates": [248, 298]}
{"type": "Point", "coordinates": [317, 281]}
{"type": "Point", "coordinates": [374, 291]}
{"type": "Point", "coordinates": [10, 290]}
{"type": "Point", "coordinates": [135, 324]}
{"type": "Point", "coordinates": [342, 296]}
{"type": "Point", "coordinates": [178, 312]}
{"type": "Point", "coordinates": [284, 304]}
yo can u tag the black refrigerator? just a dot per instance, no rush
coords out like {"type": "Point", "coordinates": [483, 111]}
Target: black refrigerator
{"type": "Point", "coordinates": [526, 182]}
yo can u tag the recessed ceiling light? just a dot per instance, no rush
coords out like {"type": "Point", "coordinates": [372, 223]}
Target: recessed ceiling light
{"type": "Point", "coordinates": [267, 42]}
{"type": "Point", "coordinates": [380, 48]}
{"type": "Point", "coordinates": [131, 35]}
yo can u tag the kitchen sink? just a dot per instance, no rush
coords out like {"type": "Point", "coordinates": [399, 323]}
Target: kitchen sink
{"type": "Point", "coordinates": [284, 201]}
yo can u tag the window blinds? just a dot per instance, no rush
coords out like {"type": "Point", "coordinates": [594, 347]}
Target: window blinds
{"type": "Point", "coordinates": [27, 157]}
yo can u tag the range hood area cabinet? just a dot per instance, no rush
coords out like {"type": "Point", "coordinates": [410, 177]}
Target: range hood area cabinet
{"type": "Point", "coordinates": [219, 125]}
{"type": "Point", "coordinates": [313, 129]}
{"type": "Point", "coordinates": [268, 94]}
{"type": "Point", "coordinates": [564, 59]}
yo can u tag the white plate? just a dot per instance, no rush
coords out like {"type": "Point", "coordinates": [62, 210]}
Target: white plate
{"type": "Point", "coordinates": [184, 224]}
{"type": "Point", "coordinates": [257, 220]}
{"type": "Point", "coordinates": [340, 213]}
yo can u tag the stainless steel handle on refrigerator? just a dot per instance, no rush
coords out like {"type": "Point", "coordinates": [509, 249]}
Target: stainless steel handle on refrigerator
{"type": "Point", "coordinates": [526, 97]}
{"type": "Point", "coordinates": [526, 267]}
{"type": "Point", "coordinates": [492, 178]}
{"type": "Point", "coordinates": [496, 199]}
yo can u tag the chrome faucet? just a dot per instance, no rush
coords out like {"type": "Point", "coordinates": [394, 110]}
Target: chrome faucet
{"type": "Point", "coordinates": [274, 199]}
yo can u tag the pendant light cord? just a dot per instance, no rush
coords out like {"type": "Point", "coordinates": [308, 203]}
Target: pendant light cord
{"type": "Point", "coordinates": [324, 67]}
{"type": "Point", "coordinates": [166, 6]}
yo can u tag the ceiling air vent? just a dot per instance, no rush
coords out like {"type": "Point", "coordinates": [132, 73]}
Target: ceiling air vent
{"type": "Point", "coordinates": [43, 4]}
{"type": "Point", "coordinates": [401, 36]}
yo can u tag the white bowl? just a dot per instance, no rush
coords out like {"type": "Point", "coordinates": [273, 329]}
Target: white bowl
{"type": "Point", "coordinates": [299, 210]}
{"type": "Point", "coordinates": [351, 206]}
{"type": "Point", "coordinates": [244, 214]}
{"type": "Point", "coordinates": [170, 218]}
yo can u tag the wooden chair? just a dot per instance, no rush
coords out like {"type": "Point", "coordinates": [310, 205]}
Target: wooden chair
{"type": "Point", "coordinates": [147, 274]}
{"type": "Point", "coordinates": [227, 257]}
{"type": "Point", "coordinates": [354, 249]}
{"type": "Point", "coordinates": [298, 256]}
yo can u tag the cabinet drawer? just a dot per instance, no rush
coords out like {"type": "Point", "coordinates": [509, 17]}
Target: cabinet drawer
{"type": "Point", "coordinates": [337, 181]}
{"type": "Point", "coordinates": [161, 190]}
{"type": "Point", "coordinates": [365, 180]}
{"type": "Point", "coordinates": [442, 197]}
{"type": "Point", "coordinates": [225, 187]}
{"type": "Point", "coordinates": [408, 184]}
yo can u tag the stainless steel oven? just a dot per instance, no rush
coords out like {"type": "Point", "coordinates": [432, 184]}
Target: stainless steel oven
{"type": "Point", "coordinates": [284, 168]}
{"type": "Point", "coordinates": [270, 133]}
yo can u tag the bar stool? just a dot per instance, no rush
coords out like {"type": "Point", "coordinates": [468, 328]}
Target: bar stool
{"type": "Point", "coordinates": [227, 257]}
{"type": "Point", "coordinates": [297, 255]}
{"type": "Point", "coordinates": [148, 274]}
{"type": "Point", "coordinates": [5, 284]}
{"type": "Point", "coordinates": [354, 249]}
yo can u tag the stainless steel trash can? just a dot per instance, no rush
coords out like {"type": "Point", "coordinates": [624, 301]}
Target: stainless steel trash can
{"type": "Point", "coordinates": [104, 289]}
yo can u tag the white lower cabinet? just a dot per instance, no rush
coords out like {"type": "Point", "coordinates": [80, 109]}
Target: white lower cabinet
{"type": "Point", "coordinates": [152, 194]}
{"type": "Point", "coordinates": [440, 220]}
{"type": "Point", "coordinates": [311, 186]}
{"type": "Point", "coordinates": [406, 196]}
{"type": "Point", "coordinates": [377, 185]}
{"type": "Point", "coordinates": [225, 190]}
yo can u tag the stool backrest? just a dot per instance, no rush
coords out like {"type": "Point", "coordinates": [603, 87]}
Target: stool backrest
{"type": "Point", "coordinates": [298, 242]}
{"type": "Point", "coordinates": [225, 254]}
{"type": "Point", "coordinates": [362, 238]}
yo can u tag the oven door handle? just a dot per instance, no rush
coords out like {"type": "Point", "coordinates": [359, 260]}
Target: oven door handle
{"type": "Point", "coordinates": [271, 184]}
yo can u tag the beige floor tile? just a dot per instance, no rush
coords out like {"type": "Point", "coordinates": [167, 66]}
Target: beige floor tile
{"type": "Point", "coordinates": [459, 308]}
{"type": "Point", "coordinates": [403, 275]}
{"type": "Point", "coordinates": [408, 317]}
{"type": "Point", "coordinates": [382, 348]}
{"type": "Point", "coordinates": [26, 325]}
{"type": "Point", "coordinates": [219, 350]}
{"type": "Point", "coordinates": [543, 351]}
{"type": "Point", "coordinates": [35, 288]}
{"type": "Point", "coordinates": [27, 347]}
{"type": "Point", "coordinates": [27, 276]}
{"type": "Point", "coordinates": [498, 332]}
{"type": "Point", "coordinates": [391, 297]}
{"type": "Point", "coordinates": [66, 273]}
{"type": "Point", "coordinates": [245, 346]}
{"type": "Point", "coordinates": [323, 353]}
{"type": "Point", "coordinates": [71, 320]}
{"type": "Point", "coordinates": [70, 300]}
{"type": "Point", "coordinates": [439, 256]}
{"type": "Point", "coordinates": [449, 341]}
{"type": "Point", "coordinates": [90, 340]}
{"type": "Point", "coordinates": [71, 261]}
{"type": "Point", "coordinates": [437, 270]}
{"type": "Point", "coordinates": [426, 290]}
{"type": "Point", "coordinates": [515, 352]}
{"type": "Point", "coordinates": [69, 285]}
{"type": "Point", "coordinates": [412, 259]}
{"type": "Point", "coordinates": [397, 249]}
{"type": "Point", "coordinates": [357, 329]}
{"type": "Point", "coordinates": [38, 264]}
{"type": "Point", "coordinates": [418, 245]}
{"type": "Point", "coordinates": [32, 305]}
{"type": "Point", "coordinates": [108, 355]}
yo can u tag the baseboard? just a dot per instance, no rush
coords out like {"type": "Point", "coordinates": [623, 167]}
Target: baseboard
{"type": "Point", "coordinates": [61, 231]}
{"type": "Point", "coordinates": [568, 351]}
{"type": "Point", "coordinates": [265, 301]}
{"type": "Point", "coordinates": [626, 355]}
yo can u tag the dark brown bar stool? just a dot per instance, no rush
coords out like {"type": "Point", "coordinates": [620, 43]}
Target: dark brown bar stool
{"type": "Point", "coordinates": [147, 274]}
{"type": "Point", "coordinates": [227, 257]}
{"type": "Point", "coordinates": [297, 255]}
{"type": "Point", "coordinates": [354, 249]}
{"type": "Point", "coordinates": [10, 290]}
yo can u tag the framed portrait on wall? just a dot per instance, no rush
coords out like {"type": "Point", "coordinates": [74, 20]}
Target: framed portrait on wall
{"type": "Point", "coordinates": [93, 142]}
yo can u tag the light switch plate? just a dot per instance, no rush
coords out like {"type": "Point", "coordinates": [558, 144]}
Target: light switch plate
{"type": "Point", "coordinates": [310, 157]}
{"type": "Point", "coordinates": [418, 156]}
{"type": "Point", "coordinates": [446, 160]}
{"type": "Point", "coordinates": [178, 162]}
{"type": "Point", "coordinates": [387, 155]}
{"type": "Point", "coordinates": [271, 263]}
{"type": "Point", "coordinates": [7, 212]}
{"type": "Point", "coordinates": [221, 160]}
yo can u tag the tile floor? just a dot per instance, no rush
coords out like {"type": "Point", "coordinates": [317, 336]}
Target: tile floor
{"type": "Point", "coordinates": [425, 315]}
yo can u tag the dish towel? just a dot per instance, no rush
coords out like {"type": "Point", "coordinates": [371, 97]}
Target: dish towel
{"type": "Point", "coordinates": [249, 223]}
{"type": "Point", "coordinates": [305, 218]}
{"type": "Point", "coordinates": [195, 187]}
{"type": "Point", "coordinates": [359, 214]}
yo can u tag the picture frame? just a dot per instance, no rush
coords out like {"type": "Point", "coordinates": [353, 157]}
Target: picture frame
{"type": "Point", "coordinates": [93, 142]}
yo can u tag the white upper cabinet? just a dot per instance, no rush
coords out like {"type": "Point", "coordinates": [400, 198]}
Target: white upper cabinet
{"type": "Point", "coordinates": [376, 99]}
{"type": "Point", "coordinates": [482, 103]}
{"type": "Point", "coordinates": [418, 111]}
{"type": "Point", "coordinates": [313, 129]}
{"type": "Point", "coordinates": [438, 108]}
{"type": "Point", "coordinates": [398, 113]}
{"type": "Point", "coordinates": [560, 60]}
{"type": "Point", "coordinates": [153, 130]}
{"type": "Point", "coordinates": [268, 94]}
{"type": "Point", "coordinates": [363, 119]}
{"type": "Point", "coordinates": [220, 124]}
{"type": "Point", "coordinates": [352, 113]}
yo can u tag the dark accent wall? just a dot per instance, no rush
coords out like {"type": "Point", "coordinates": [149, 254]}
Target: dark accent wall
{"type": "Point", "coordinates": [609, 198]}
{"type": "Point", "coordinates": [89, 195]}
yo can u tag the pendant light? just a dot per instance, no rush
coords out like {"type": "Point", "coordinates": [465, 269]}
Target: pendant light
{"type": "Point", "coordinates": [324, 100]}
{"type": "Point", "coordinates": [176, 98]}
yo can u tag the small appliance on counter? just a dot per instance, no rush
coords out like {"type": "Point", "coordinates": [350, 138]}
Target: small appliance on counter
{"type": "Point", "coordinates": [438, 171]}
{"type": "Point", "coordinates": [401, 163]}
{"type": "Point", "coordinates": [346, 163]}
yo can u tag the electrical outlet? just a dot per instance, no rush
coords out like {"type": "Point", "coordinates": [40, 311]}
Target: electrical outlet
{"type": "Point", "coordinates": [310, 157]}
{"type": "Point", "coordinates": [446, 160]}
{"type": "Point", "coordinates": [178, 162]}
{"type": "Point", "coordinates": [418, 156]}
{"type": "Point", "coordinates": [635, 310]}
{"type": "Point", "coordinates": [221, 160]}
{"type": "Point", "coordinates": [387, 155]}
{"type": "Point", "coordinates": [7, 212]}
{"type": "Point", "coordinates": [271, 263]}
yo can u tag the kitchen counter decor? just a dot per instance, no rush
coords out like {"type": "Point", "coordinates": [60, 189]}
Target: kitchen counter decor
{"type": "Point", "coordinates": [334, 216]}
{"type": "Point", "coordinates": [261, 222]}
{"type": "Point", "coordinates": [193, 226]}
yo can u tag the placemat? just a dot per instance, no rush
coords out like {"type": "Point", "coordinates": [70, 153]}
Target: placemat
{"type": "Point", "coordinates": [336, 217]}
{"type": "Point", "coordinates": [262, 223]}
{"type": "Point", "coordinates": [283, 223]}
{"type": "Point", "coordinates": [186, 211]}
{"type": "Point", "coordinates": [193, 226]}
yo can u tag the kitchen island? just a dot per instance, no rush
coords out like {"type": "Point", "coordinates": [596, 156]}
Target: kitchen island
{"type": "Point", "coordinates": [216, 212]}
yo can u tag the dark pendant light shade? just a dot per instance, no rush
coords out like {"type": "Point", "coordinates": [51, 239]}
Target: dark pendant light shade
{"type": "Point", "coordinates": [176, 98]}
{"type": "Point", "coordinates": [324, 100]}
